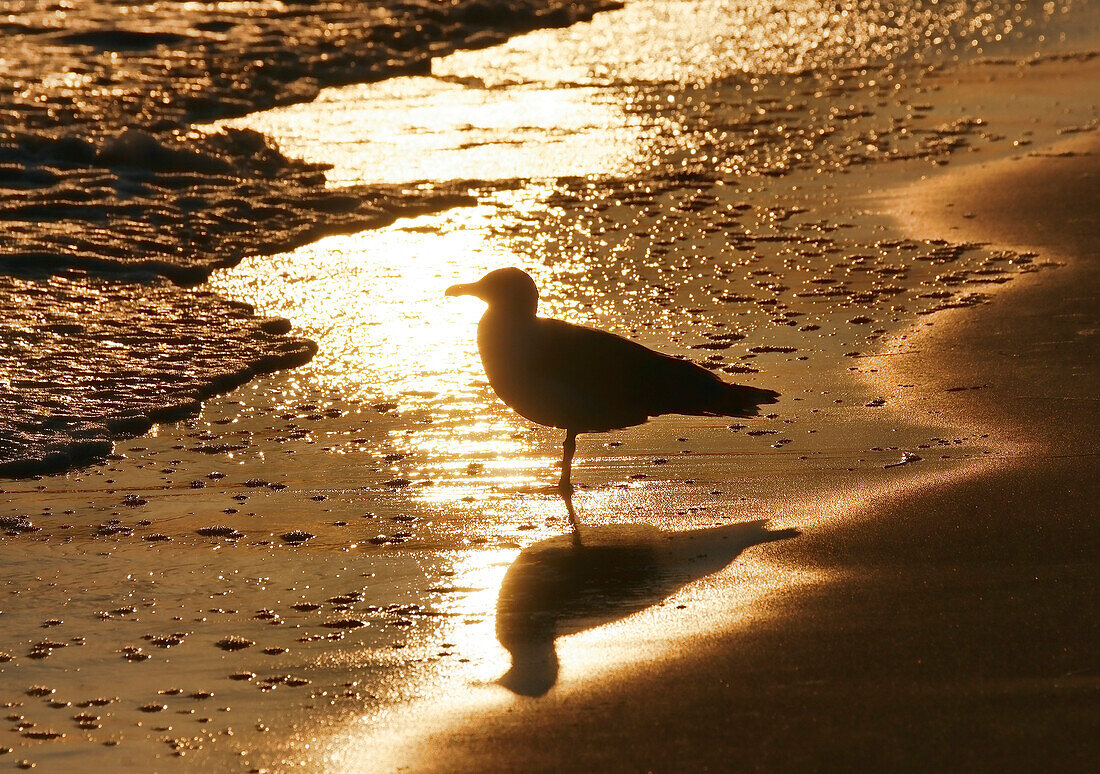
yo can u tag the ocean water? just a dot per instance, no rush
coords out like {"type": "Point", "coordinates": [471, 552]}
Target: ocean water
{"type": "Point", "coordinates": [689, 174]}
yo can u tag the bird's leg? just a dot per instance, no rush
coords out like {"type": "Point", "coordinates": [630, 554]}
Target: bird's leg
{"type": "Point", "coordinates": [568, 448]}
{"type": "Point", "coordinates": [573, 522]}
{"type": "Point", "coordinates": [565, 488]}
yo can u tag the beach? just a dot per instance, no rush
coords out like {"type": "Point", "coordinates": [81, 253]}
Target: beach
{"type": "Point", "coordinates": [306, 535]}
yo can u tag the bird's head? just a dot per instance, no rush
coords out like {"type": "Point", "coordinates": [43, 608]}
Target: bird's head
{"type": "Point", "coordinates": [508, 290]}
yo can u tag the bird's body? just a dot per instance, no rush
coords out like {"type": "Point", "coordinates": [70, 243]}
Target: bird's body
{"type": "Point", "coordinates": [584, 380]}
{"type": "Point", "coordinates": [589, 381]}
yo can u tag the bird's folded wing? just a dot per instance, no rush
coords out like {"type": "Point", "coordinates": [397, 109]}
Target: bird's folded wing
{"type": "Point", "coordinates": [617, 378]}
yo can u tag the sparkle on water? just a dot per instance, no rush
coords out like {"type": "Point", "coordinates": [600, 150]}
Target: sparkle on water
{"type": "Point", "coordinates": [419, 128]}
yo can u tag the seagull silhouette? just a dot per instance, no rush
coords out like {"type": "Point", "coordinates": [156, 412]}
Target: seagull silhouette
{"type": "Point", "coordinates": [583, 380]}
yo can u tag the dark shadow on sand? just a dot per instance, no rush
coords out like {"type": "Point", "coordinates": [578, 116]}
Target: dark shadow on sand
{"type": "Point", "coordinates": [565, 585]}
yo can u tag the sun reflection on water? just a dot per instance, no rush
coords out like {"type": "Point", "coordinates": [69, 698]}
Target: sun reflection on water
{"type": "Point", "coordinates": [422, 128]}
{"type": "Point", "coordinates": [376, 302]}
{"type": "Point", "coordinates": [600, 101]}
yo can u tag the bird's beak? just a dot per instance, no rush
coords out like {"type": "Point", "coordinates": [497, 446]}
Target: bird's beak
{"type": "Point", "coordinates": [470, 289]}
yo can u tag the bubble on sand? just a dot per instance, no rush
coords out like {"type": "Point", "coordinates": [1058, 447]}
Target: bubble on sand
{"type": "Point", "coordinates": [17, 525]}
{"type": "Point", "coordinates": [234, 642]}
{"type": "Point", "coordinates": [289, 680]}
{"type": "Point", "coordinates": [166, 640]}
{"type": "Point", "coordinates": [96, 702]}
{"type": "Point", "coordinates": [134, 654]}
{"type": "Point", "coordinates": [44, 649]}
{"type": "Point", "coordinates": [220, 530]}
{"type": "Point", "coordinates": [297, 536]}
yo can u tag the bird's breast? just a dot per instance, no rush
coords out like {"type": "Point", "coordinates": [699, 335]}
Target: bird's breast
{"type": "Point", "coordinates": [509, 353]}
{"type": "Point", "coordinates": [542, 369]}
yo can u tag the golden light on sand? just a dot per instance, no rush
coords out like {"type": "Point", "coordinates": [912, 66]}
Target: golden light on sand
{"type": "Point", "coordinates": [471, 613]}
{"type": "Point", "coordinates": [347, 554]}
{"type": "Point", "coordinates": [467, 610]}
{"type": "Point", "coordinates": [544, 106]}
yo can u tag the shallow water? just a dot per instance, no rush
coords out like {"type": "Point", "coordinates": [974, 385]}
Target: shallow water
{"type": "Point", "coordinates": [706, 207]}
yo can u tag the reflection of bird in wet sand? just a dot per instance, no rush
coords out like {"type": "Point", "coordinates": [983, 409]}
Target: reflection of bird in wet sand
{"type": "Point", "coordinates": [557, 587]}
{"type": "Point", "coordinates": [584, 380]}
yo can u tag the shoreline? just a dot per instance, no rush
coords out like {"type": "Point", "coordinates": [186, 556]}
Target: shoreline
{"type": "Point", "coordinates": [638, 651]}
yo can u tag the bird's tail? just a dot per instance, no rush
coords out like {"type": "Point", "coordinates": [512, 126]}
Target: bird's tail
{"type": "Point", "coordinates": [738, 400]}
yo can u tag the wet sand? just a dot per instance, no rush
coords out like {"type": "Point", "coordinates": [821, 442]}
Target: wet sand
{"type": "Point", "coordinates": [955, 626]}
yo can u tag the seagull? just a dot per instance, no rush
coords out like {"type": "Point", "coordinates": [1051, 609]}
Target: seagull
{"type": "Point", "coordinates": [584, 380]}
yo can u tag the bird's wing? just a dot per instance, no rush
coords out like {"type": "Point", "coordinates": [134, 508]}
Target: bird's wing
{"type": "Point", "coordinates": [615, 382]}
